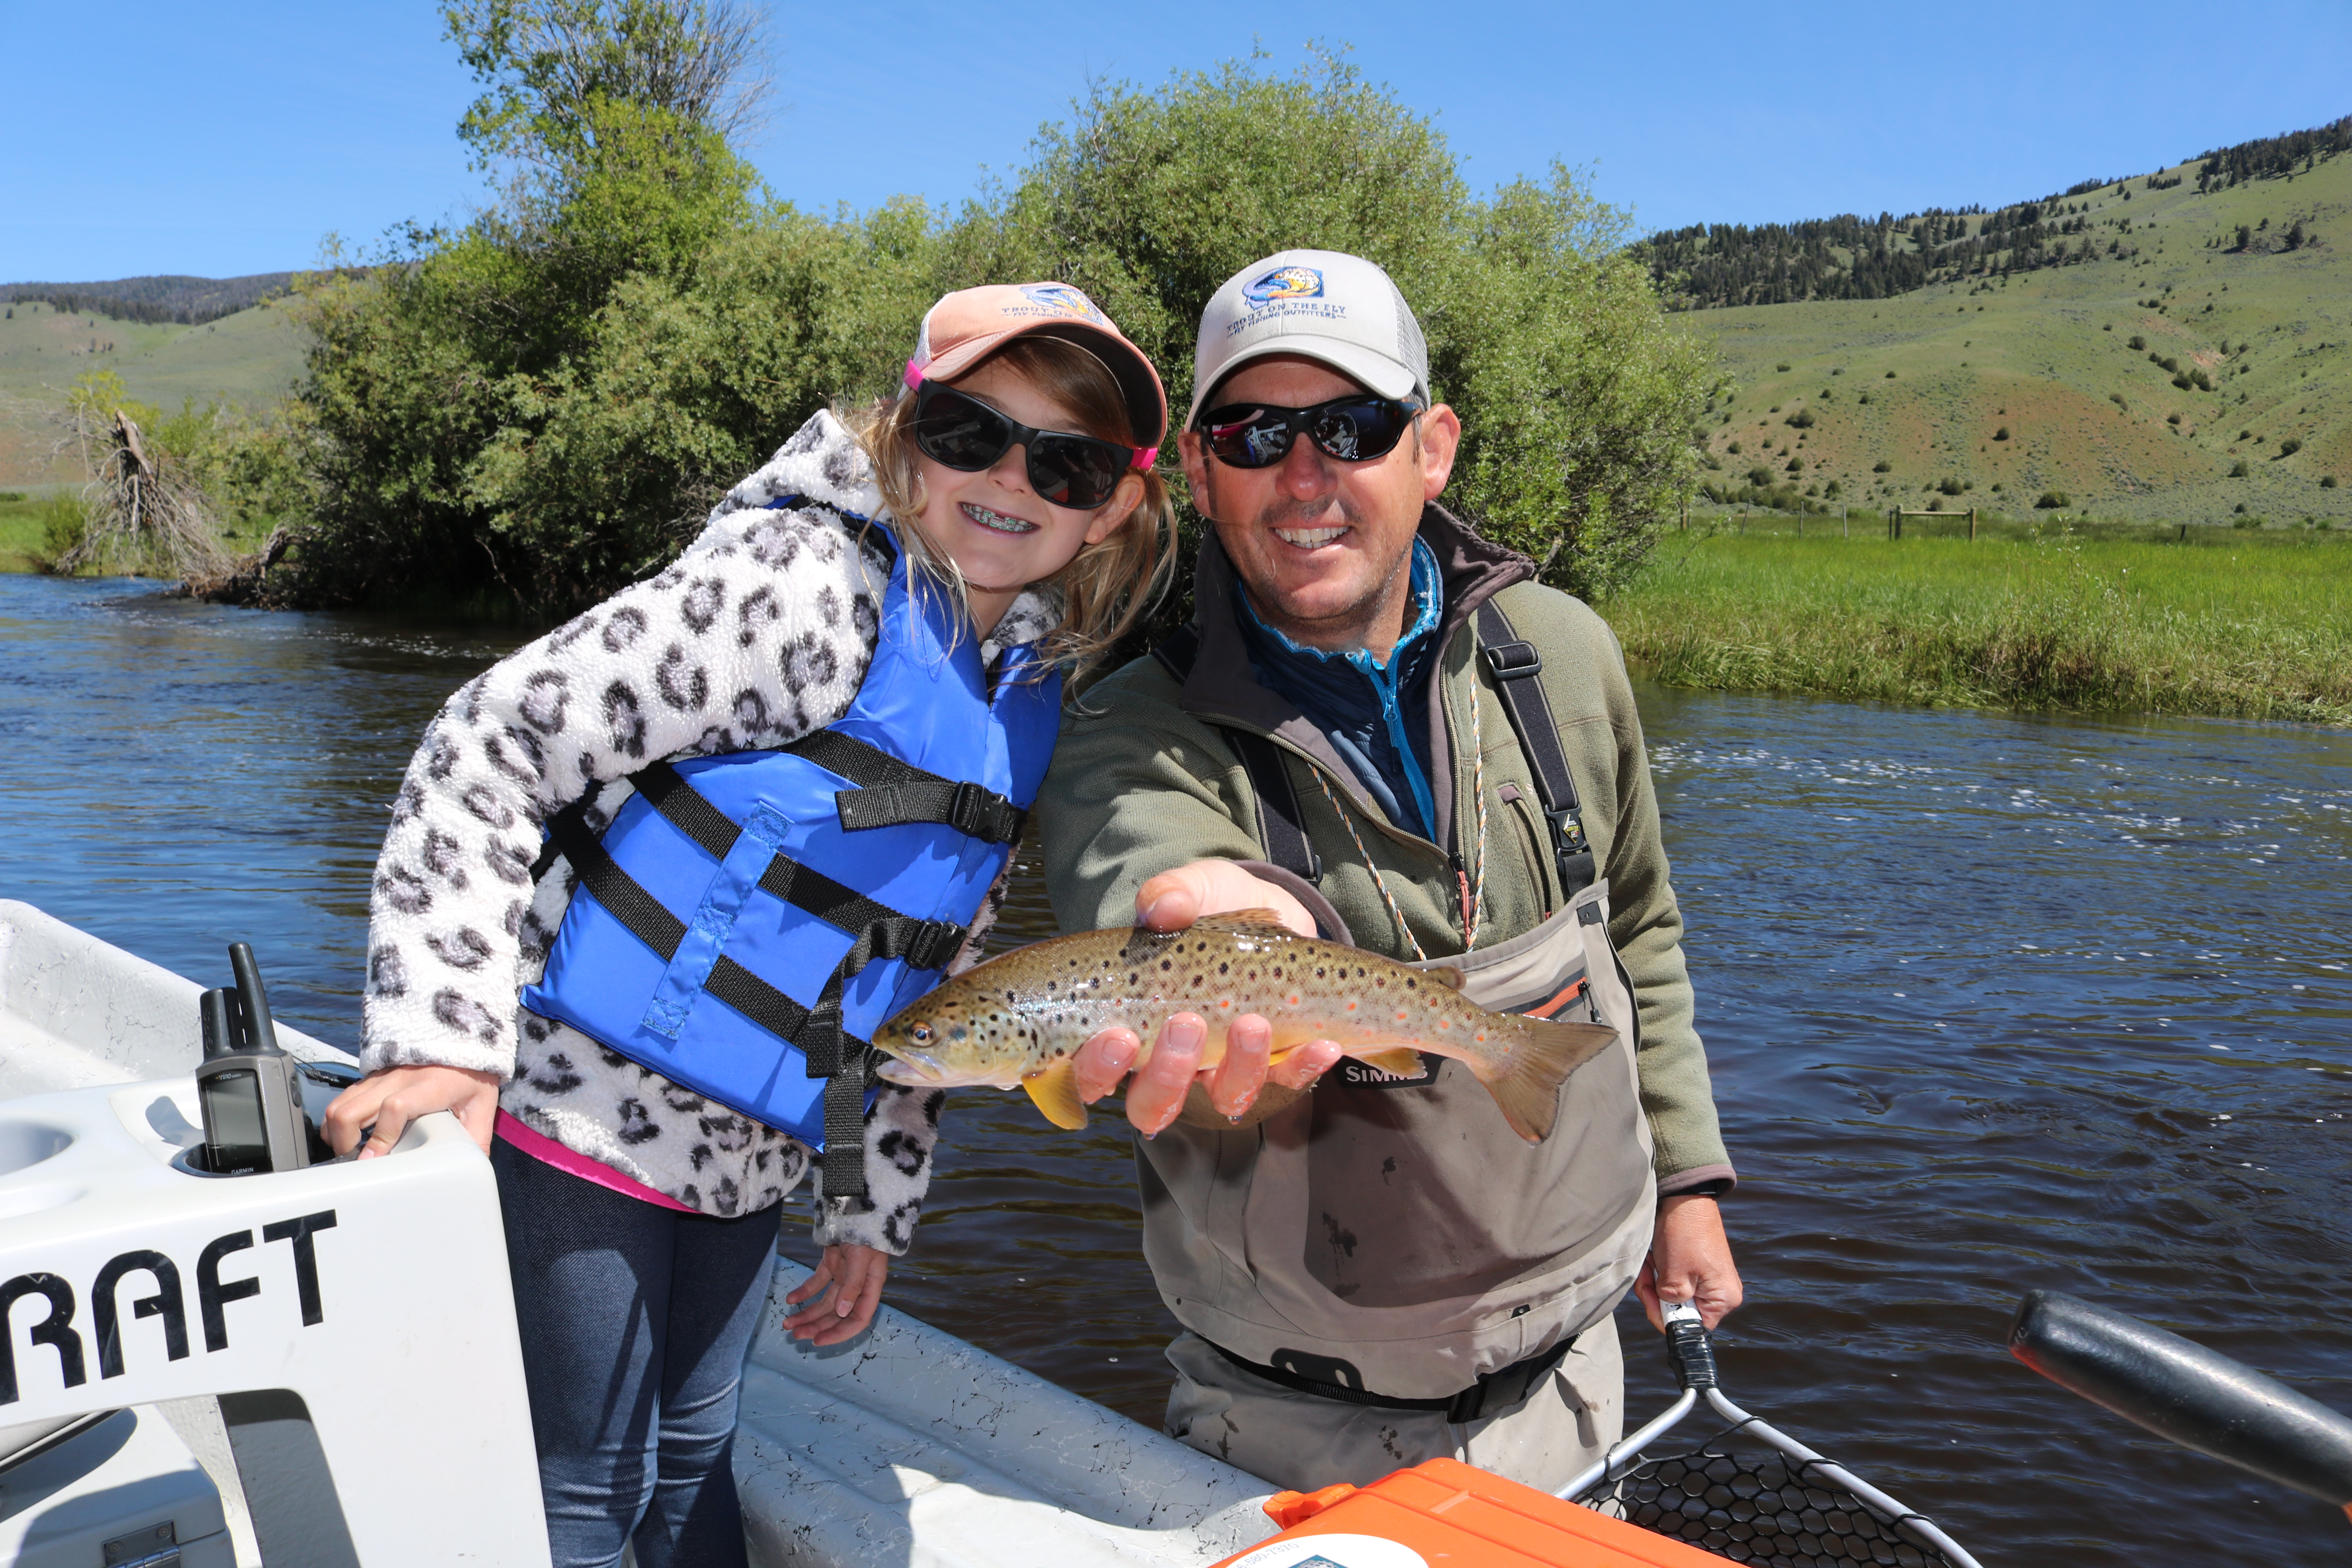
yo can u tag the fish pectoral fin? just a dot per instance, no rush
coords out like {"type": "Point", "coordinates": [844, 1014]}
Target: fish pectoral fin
{"type": "Point", "coordinates": [1401, 1062]}
{"type": "Point", "coordinates": [1054, 1092]}
{"type": "Point", "coordinates": [1446, 974]}
{"type": "Point", "coordinates": [1250, 922]}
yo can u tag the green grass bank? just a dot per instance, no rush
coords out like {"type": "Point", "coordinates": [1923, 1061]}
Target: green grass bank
{"type": "Point", "coordinates": [2234, 624]}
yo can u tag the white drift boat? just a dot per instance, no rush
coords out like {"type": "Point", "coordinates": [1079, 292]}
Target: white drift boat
{"type": "Point", "coordinates": [906, 1446]}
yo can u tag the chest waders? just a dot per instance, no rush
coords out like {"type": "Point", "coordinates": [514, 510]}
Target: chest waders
{"type": "Point", "coordinates": [746, 920]}
{"type": "Point", "coordinates": [1387, 1240]}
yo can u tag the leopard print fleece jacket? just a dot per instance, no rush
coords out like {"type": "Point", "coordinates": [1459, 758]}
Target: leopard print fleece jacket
{"type": "Point", "coordinates": [759, 633]}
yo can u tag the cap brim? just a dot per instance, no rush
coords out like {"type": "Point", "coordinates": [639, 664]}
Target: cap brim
{"type": "Point", "coordinates": [1368, 368]}
{"type": "Point", "coordinates": [1138, 384]}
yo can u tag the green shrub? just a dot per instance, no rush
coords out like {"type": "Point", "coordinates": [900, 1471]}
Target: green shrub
{"type": "Point", "coordinates": [2138, 341]}
{"type": "Point", "coordinates": [1780, 367]}
{"type": "Point", "coordinates": [1882, 466]}
{"type": "Point", "coordinates": [1733, 448]}
{"type": "Point", "coordinates": [2053, 500]}
{"type": "Point", "coordinates": [2238, 469]}
{"type": "Point", "coordinates": [1890, 375]}
{"type": "Point", "coordinates": [2327, 482]}
{"type": "Point", "coordinates": [544, 402]}
{"type": "Point", "coordinates": [1949, 486]}
{"type": "Point", "coordinates": [2001, 434]}
{"type": "Point", "coordinates": [1802, 419]}
{"type": "Point", "coordinates": [2290, 447]}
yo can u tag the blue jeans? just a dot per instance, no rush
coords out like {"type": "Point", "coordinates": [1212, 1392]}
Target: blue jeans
{"type": "Point", "coordinates": [634, 1320]}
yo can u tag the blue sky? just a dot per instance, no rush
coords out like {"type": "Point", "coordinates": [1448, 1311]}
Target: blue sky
{"type": "Point", "coordinates": [224, 139]}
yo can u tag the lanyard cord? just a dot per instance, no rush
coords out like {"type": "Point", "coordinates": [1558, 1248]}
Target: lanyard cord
{"type": "Point", "coordinates": [1474, 891]}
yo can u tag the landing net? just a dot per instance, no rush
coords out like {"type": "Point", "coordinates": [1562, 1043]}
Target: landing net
{"type": "Point", "coordinates": [1763, 1509]}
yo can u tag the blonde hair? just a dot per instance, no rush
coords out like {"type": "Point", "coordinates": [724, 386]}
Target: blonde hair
{"type": "Point", "coordinates": [1106, 588]}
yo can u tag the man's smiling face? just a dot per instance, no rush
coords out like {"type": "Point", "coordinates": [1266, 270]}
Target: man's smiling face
{"type": "Point", "coordinates": [1322, 546]}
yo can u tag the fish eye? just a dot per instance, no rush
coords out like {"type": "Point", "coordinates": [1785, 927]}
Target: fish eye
{"type": "Point", "coordinates": [921, 1034]}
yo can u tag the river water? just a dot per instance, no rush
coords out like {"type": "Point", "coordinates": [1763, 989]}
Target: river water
{"type": "Point", "coordinates": [1993, 1002]}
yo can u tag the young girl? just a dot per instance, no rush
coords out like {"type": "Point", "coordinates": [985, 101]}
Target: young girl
{"type": "Point", "coordinates": [779, 784]}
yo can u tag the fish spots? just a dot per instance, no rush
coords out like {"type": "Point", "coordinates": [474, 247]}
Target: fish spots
{"type": "Point", "coordinates": [1402, 1016]}
{"type": "Point", "coordinates": [1351, 1007]}
{"type": "Point", "coordinates": [1293, 999]}
{"type": "Point", "coordinates": [1444, 1024]}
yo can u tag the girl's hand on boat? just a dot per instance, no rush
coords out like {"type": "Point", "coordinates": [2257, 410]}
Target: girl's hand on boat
{"type": "Point", "coordinates": [842, 1294]}
{"type": "Point", "coordinates": [1690, 1260]}
{"type": "Point", "coordinates": [397, 1096]}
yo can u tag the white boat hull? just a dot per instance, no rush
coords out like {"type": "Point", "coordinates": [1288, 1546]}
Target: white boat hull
{"type": "Point", "coordinates": [906, 1446]}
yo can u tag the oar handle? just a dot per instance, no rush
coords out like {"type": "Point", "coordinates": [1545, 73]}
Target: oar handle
{"type": "Point", "coordinates": [2178, 1389]}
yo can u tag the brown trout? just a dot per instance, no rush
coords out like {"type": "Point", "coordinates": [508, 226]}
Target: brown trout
{"type": "Point", "coordinates": [1018, 1020]}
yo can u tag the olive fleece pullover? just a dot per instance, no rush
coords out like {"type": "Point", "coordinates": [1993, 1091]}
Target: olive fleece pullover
{"type": "Point", "coordinates": [1145, 780]}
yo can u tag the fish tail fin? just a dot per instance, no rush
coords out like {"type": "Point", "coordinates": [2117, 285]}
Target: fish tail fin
{"type": "Point", "coordinates": [1526, 1060]}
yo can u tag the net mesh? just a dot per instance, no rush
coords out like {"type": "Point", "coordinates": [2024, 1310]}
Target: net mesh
{"type": "Point", "coordinates": [1759, 1508]}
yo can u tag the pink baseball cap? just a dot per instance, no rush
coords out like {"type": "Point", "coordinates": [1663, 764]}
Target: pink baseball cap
{"type": "Point", "coordinates": [966, 326]}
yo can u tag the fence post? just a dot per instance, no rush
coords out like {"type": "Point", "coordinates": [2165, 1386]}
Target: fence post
{"type": "Point", "coordinates": [1843, 530]}
{"type": "Point", "coordinates": [1972, 525]}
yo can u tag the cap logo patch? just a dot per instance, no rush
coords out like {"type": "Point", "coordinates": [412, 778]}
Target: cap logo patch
{"type": "Point", "coordinates": [1284, 283]}
{"type": "Point", "coordinates": [1061, 300]}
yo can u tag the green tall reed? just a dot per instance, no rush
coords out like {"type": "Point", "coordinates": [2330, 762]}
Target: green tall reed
{"type": "Point", "coordinates": [2261, 630]}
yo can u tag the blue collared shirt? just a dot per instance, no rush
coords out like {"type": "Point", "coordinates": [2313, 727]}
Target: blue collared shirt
{"type": "Point", "coordinates": [1375, 714]}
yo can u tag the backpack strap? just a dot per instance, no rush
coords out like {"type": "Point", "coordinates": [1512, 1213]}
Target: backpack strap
{"type": "Point", "coordinates": [1515, 665]}
{"type": "Point", "coordinates": [1281, 830]}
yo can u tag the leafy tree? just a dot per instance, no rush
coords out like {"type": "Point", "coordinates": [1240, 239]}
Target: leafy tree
{"type": "Point", "coordinates": [1543, 332]}
{"type": "Point", "coordinates": [540, 405]}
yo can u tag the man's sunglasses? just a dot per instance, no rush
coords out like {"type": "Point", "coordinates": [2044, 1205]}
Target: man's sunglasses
{"type": "Point", "coordinates": [961, 431]}
{"type": "Point", "coordinates": [1353, 429]}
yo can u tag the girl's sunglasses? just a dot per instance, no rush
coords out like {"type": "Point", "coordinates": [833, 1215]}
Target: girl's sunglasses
{"type": "Point", "coordinates": [1353, 429]}
{"type": "Point", "coordinates": [1075, 471]}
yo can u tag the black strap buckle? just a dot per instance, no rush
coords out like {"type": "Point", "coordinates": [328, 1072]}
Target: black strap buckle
{"type": "Point", "coordinates": [1513, 660]}
{"type": "Point", "coordinates": [933, 944]}
{"type": "Point", "coordinates": [977, 811]}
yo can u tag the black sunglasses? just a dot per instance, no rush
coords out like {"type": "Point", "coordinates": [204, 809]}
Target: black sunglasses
{"type": "Point", "coordinates": [1077, 471]}
{"type": "Point", "coordinates": [1353, 429]}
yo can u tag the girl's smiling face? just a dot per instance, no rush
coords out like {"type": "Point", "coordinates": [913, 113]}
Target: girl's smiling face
{"type": "Point", "coordinates": [1000, 534]}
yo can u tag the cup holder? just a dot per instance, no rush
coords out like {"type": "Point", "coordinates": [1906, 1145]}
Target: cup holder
{"type": "Point", "coordinates": [24, 1144]}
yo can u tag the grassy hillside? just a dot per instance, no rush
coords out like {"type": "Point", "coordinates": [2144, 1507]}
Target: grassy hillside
{"type": "Point", "coordinates": [251, 357]}
{"type": "Point", "coordinates": [1926, 382]}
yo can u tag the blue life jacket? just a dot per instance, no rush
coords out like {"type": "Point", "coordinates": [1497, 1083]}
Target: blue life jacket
{"type": "Point", "coordinates": [748, 920]}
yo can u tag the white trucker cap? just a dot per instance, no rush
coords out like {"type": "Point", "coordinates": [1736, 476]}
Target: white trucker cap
{"type": "Point", "coordinates": [1322, 305]}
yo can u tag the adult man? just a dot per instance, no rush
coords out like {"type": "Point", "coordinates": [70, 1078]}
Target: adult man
{"type": "Point", "coordinates": [1379, 729]}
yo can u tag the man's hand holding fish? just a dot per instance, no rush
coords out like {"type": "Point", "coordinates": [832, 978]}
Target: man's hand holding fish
{"type": "Point", "coordinates": [1172, 902]}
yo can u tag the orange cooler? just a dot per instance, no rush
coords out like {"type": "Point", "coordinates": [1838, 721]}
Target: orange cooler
{"type": "Point", "coordinates": [1445, 1514]}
